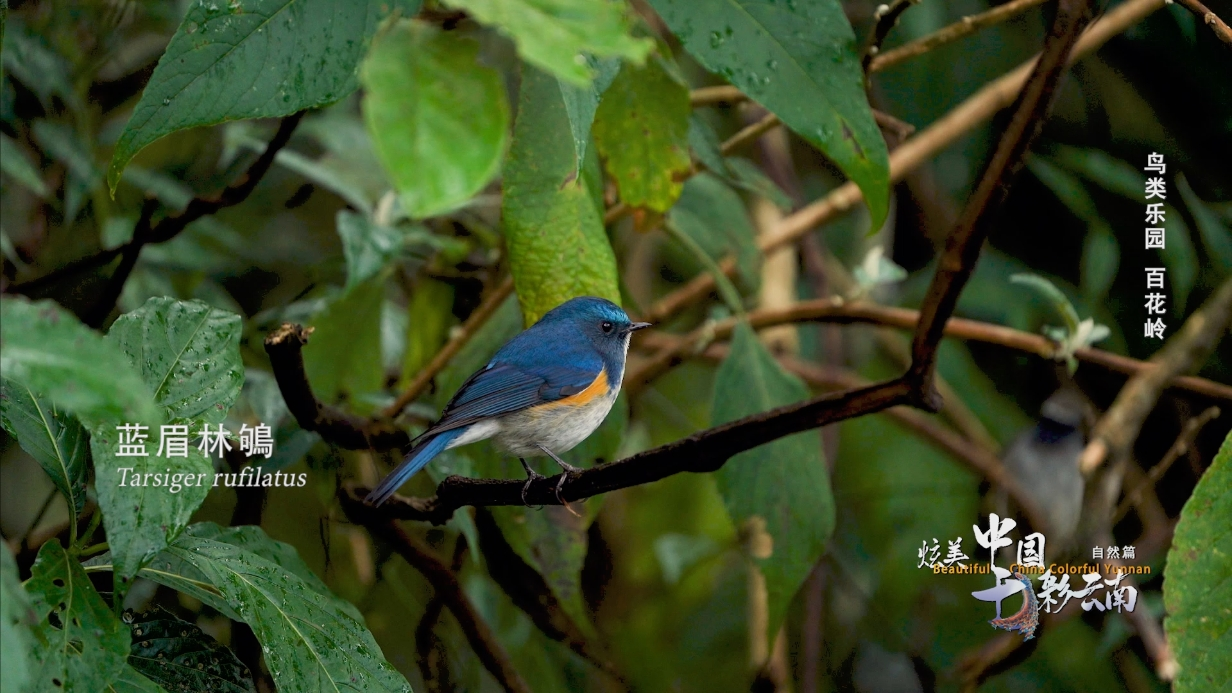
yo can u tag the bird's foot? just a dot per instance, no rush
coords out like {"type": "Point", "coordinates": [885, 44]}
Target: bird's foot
{"type": "Point", "coordinates": [567, 469]}
{"type": "Point", "coordinates": [531, 477]}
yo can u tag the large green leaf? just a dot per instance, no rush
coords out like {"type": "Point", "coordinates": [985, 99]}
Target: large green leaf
{"type": "Point", "coordinates": [16, 620]}
{"type": "Point", "coordinates": [556, 35]}
{"type": "Point", "coordinates": [46, 349]}
{"type": "Point", "coordinates": [83, 644]}
{"type": "Point", "coordinates": [188, 354]}
{"type": "Point", "coordinates": [170, 569]}
{"type": "Point", "coordinates": [1197, 588]}
{"type": "Point", "coordinates": [781, 488]}
{"type": "Point", "coordinates": [178, 655]}
{"type": "Point", "coordinates": [581, 102]}
{"type": "Point", "coordinates": [799, 60]}
{"type": "Point", "coordinates": [250, 59]}
{"type": "Point", "coordinates": [142, 519]}
{"type": "Point", "coordinates": [714, 216]}
{"type": "Point", "coordinates": [312, 641]}
{"type": "Point", "coordinates": [438, 119]}
{"type": "Point", "coordinates": [558, 248]}
{"type": "Point", "coordinates": [53, 438]}
{"type": "Point", "coordinates": [642, 131]}
{"type": "Point", "coordinates": [343, 355]}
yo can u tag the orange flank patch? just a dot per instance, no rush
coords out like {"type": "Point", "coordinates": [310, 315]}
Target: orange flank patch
{"type": "Point", "coordinates": [598, 388]}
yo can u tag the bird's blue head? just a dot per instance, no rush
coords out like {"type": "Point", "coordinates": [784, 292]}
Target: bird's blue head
{"type": "Point", "coordinates": [599, 320]}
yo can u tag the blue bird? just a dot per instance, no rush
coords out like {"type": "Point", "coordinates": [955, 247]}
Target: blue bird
{"type": "Point", "coordinates": [544, 392]}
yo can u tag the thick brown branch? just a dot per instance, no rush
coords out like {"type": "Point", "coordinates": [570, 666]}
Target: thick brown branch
{"type": "Point", "coordinates": [476, 320]}
{"type": "Point", "coordinates": [170, 226]}
{"type": "Point", "coordinates": [963, 246]}
{"type": "Point", "coordinates": [704, 451]}
{"type": "Point", "coordinates": [285, 348]}
{"type": "Point", "coordinates": [481, 638]}
{"type": "Point", "coordinates": [1209, 18]}
{"type": "Point", "coordinates": [1185, 351]}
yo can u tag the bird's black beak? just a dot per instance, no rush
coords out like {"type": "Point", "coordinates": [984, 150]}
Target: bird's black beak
{"type": "Point", "coordinates": [635, 326]}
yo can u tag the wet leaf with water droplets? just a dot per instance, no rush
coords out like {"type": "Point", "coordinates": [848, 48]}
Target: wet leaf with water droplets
{"type": "Point", "coordinates": [799, 60]}
{"type": "Point", "coordinates": [85, 643]}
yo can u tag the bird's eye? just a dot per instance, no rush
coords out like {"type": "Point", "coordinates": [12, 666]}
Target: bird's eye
{"type": "Point", "coordinates": [606, 327]}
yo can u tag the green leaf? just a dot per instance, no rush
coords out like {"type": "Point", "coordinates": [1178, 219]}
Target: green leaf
{"type": "Point", "coordinates": [581, 102]}
{"type": "Point", "coordinates": [131, 681]}
{"type": "Point", "coordinates": [46, 349]}
{"type": "Point", "coordinates": [558, 248]}
{"type": "Point", "coordinates": [1066, 187]}
{"type": "Point", "coordinates": [779, 491]}
{"type": "Point", "coordinates": [1197, 590]}
{"type": "Point", "coordinates": [16, 619]}
{"type": "Point", "coordinates": [312, 641]}
{"type": "Point", "coordinates": [429, 315]}
{"type": "Point", "coordinates": [736, 170]}
{"type": "Point", "coordinates": [556, 35]}
{"type": "Point", "coordinates": [1101, 256]}
{"type": "Point", "coordinates": [256, 59]}
{"type": "Point", "coordinates": [1112, 174]}
{"type": "Point", "coordinates": [367, 246]}
{"type": "Point", "coordinates": [53, 438]}
{"type": "Point", "coordinates": [748, 177]}
{"type": "Point", "coordinates": [714, 216]}
{"type": "Point", "coordinates": [343, 354]}
{"type": "Point", "coordinates": [15, 164]}
{"type": "Point", "coordinates": [1179, 257]}
{"type": "Point", "coordinates": [188, 354]}
{"type": "Point", "coordinates": [175, 654]}
{"type": "Point", "coordinates": [142, 519]}
{"type": "Point", "coordinates": [642, 131]}
{"type": "Point", "coordinates": [1215, 235]}
{"type": "Point", "coordinates": [254, 540]}
{"type": "Point", "coordinates": [799, 60]}
{"type": "Point", "coordinates": [1056, 298]}
{"type": "Point", "coordinates": [438, 119]}
{"type": "Point", "coordinates": [85, 644]}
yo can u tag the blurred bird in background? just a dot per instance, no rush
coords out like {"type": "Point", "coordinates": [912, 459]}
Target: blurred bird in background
{"type": "Point", "coordinates": [1044, 460]}
{"type": "Point", "coordinates": [544, 392]}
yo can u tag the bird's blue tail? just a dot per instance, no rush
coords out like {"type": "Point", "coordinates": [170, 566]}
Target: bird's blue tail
{"type": "Point", "coordinates": [419, 456]}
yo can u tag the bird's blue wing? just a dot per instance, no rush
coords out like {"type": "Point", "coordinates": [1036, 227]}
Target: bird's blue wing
{"type": "Point", "coordinates": [503, 388]}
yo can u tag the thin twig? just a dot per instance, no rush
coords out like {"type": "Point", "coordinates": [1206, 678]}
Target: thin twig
{"type": "Point", "coordinates": [170, 226]}
{"type": "Point", "coordinates": [1118, 428]}
{"type": "Point", "coordinates": [477, 319]}
{"type": "Point", "coordinates": [838, 311]}
{"type": "Point", "coordinates": [481, 638]}
{"type": "Point", "coordinates": [1189, 433]}
{"type": "Point", "coordinates": [1217, 25]}
{"type": "Point", "coordinates": [749, 133]}
{"type": "Point", "coordinates": [934, 139]}
{"type": "Point", "coordinates": [885, 18]}
{"type": "Point", "coordinates": [963, 27]}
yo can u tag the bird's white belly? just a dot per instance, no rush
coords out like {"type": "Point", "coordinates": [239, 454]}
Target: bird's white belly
{"type": "Point", "coordinates": [557, 428]}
